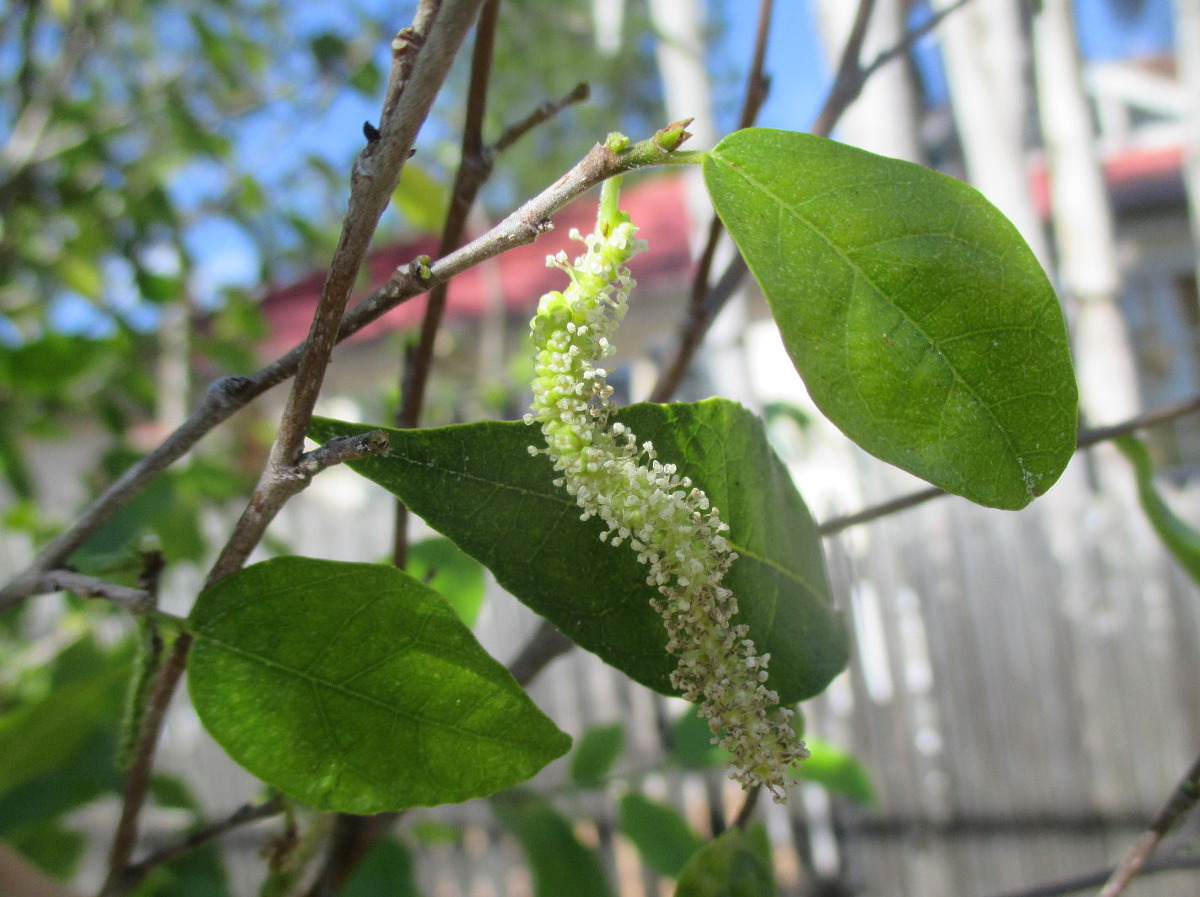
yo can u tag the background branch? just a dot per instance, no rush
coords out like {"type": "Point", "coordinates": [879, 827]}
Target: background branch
{"type": "Point", "coordinates": [701, 308]}
{"type": "Point", "coordinates": [1181, 802]}
{"type": "Point", "coordinates": [1087, 439]}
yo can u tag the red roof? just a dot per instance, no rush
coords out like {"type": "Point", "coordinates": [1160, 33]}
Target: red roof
{"type": "Point", "coordinates": [520, 276]}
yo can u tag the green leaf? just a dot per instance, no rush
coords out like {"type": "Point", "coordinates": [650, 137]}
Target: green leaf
{"type": "Point", "coordinates": [661, 835]}
{"type": "Point", "coordinates": [387, 870]}
{"type": "Point", "coordinates": [922, 324]}
{"type": "Point", "coordinates": [421, 199]}
{"type": "Point", "coordinates": [40, 737]}
{"type": "Point", "coordinates": [355, 688]}
{"type": "Point", "coordinates": [836, 770]}
{"type": "Point", "coordinates": [595, 753]}
{"type": "Point", "coordinates": [737, 864]}
{"type": "Point", "coordinates": [691, 743]}
{"type": "Point", "coordinates": [478, 484]}
{"type": "Point", "coordinates": [559, 863]}
{"type": "Point", "coordinates": [456, 576]}
{"type": "Point", "coordinates": [1181, 540]}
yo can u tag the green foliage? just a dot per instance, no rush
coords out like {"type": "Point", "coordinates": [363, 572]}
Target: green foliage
{"type": "Point", "coordinates": [922, 324]}
{"type": "Point", "coordinates": [456, 576]}
{"type": "Point", "coordinates": [596, 753]}
{"type": "Point", "coordinates": [478, 484]}
{"type": "Point", "coordinates": [1181, 540]}
{"type": "Point", "coordinates": [736, 864]}
{"type": "Point", "coordinates": [387, 869]}
{"type": "Point", "coordinates": [837, 770]}
{"type": "Point", "coordinates": [663, 838]}
{"type": "Point", "coordinates": [559, 862]}
{"type": "Point", "coordinates": [43, 736]}
{"type": "Point", "coordinates": [353, 687]}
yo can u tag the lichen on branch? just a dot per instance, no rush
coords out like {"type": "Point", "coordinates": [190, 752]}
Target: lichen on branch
{"type": "Point", "coordinates": [649, 505]}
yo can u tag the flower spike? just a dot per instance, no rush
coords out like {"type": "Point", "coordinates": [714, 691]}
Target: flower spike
{"type": "Point", "coordinates": [647, 504]}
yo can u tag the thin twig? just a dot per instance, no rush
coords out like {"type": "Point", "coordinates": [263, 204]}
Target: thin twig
{"type": "Point", "coordinates": [848, 83]}
{"type": "Point", "coordinates": [746, 813]}
{"type": "Point", "coordinates": [1094, 879]}
{"type": "Point", "coordinates": [474, 167]}
{"type": "Point", "coordinates": [701, 308]}
{"type": "Point", "coordinates": [341, 450]}
{"type": "Point", "coordinates": [1181, 802]}
{"type": "Point", "coordinates": [136, 600]}
{"type": "Point", "coordinates": [909, 40]}
{"type": "Point", "coordinates": [540, 115]}
{"type": "Point", "coordinates": [1087, 439]}
{"type": "Point", "coordinates": [244, 815]}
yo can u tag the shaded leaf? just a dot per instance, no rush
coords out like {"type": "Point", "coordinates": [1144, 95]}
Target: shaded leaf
{"type": "Point", "coordinates": [355, 688]}
{"type": "Point", "coordinates": [663, 837]}
{"type": "Point", "coordinates": [387, 870]}
{"type": "Point", "coordinates": [477, 484]}
{"type": "Point", "coordinates": [559, 863]}
{"type": "Point", "coordinates": [1181, 539]}
{"type": "Point", "coordinates": [922, 324]}
{"type": "Point", "coordinates": [595, 754]}
{"type": "Point", "coordinates": [40, 737]}
{"type": "Point", "coordinates": [837, 770]}
{"type": "Point", "coordinates": [737, 864]}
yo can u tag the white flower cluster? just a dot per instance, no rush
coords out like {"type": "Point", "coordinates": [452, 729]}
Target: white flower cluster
{"type": "Point", "coordinates": [662, 515]}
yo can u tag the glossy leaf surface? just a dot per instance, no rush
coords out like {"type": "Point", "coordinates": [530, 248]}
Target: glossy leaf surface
{"type": "Point", "coordinates": [355, 688]}
{"type": "Point", "coordinates": [478, 484]}
{"type": "Point", "coordinates": [920, 321]}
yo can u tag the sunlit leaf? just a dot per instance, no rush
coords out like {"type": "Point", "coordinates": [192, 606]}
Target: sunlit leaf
{"type": "Point", "coordinates": [921, 322]}
{"type": "Point", "coordinates": [353, 687]}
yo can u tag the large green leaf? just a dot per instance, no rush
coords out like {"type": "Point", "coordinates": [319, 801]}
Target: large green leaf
{"type": "Point", "coordinates": [560, 865]}
{"type": "Point", "coordinates": [921, 322]}
{"type": "Point", "coordinates": [353, 687]}
{"type": "Point", "coordinates": [736, 864]}
{"type": "Point", "coordinates": [478, 484]}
